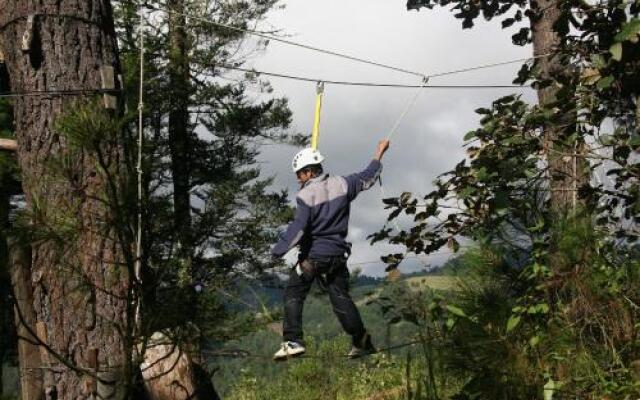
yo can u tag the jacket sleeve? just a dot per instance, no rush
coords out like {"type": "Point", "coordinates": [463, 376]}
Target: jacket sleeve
{"type": "Point", "coordinates": [295, 231]}
{"type": "Point", "coordinates": [364, 180]}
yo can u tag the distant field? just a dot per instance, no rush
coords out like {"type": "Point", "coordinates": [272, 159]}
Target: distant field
{"type": "Point", "coordinates": [434, 282]}
{"type": "Point", "coordinates": [416, 283]}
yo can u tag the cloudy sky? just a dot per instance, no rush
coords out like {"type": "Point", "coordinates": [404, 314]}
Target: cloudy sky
{"type": "Point", "coordinates": [429, 140]}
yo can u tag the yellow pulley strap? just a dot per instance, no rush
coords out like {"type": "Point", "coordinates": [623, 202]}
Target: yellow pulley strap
{"type": "Point", "coordinates": [316, 121]}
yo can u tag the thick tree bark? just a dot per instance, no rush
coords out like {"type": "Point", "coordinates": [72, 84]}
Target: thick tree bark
{"type": "Point", "coordinates": [80, 286]}
{"type": "Point", "coordinates": [566, 170]}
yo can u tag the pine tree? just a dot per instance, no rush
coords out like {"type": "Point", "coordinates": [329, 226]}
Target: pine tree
{"type": "Point", "coordinates": [210, 215]}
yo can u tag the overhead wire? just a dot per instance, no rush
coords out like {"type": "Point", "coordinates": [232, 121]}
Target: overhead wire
{"type": "Point", "coordinates": [242, 353]}
{"type": "Point", "coordinates": [366, 84]}
{"type": "Point", "coordinates": [345, 56]}
{"type": "Point", "coordinates": [424, 259]}
{"type": "Point", "coordinates": [63, 92]}
{"type": "Point", "coordinates": [290, 42]}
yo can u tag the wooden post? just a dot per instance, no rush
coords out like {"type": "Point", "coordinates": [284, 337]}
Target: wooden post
{"type": "Point", "coordinates": [30, 355]}
{"type": "Point", "coordinates": [107, 77]}
{"type": "Point", "coordinates": [41, 330]}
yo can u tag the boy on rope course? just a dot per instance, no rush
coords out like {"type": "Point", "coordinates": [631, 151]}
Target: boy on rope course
{"type": "Point", "coordinates": [320, 229]}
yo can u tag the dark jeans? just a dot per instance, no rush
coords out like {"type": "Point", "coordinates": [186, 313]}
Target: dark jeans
{"type": "Point", "coordinates": [333, 277]}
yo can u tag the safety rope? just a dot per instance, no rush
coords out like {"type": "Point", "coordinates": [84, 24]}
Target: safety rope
{"type": "Point", "coordinates": [241, 353]}
{"type": "Point", "coordinates": [62, 92]}
{"type": "Point", "coordinates": [138, 261]}
{"type": "Point", "coordinates": [410, 104]}
{"type": "Point", "coordinates": [366, 84]}
{"type": "Point", "coordinates": [408, 107]}
{"type": "Point", "coordinates": [315, 133]}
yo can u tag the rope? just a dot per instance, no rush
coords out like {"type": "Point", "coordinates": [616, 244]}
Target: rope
{"type": "Point", "coordinates": [408, 107]}
{"type": "Point", "coordinates": [394, 129]}
{"type": "Point", "coordinates": [366, 84]}
{"type": "Point", "coordinates": [425, 258]}
{"type": "Point", "coordinates": [292, 43]}
{"type": "Point", "coordinates": [241, 353]}
{"type": "Point", "coordinates": [69, 92]}
{"type": "Point", "coordinates": [48, 15]}
{"type": "Point", "coordinates": [343, 55]}
{"type": "Point", "coordinates": [490, 65]}
{"type": "Point", "coordinates": [138, 262]}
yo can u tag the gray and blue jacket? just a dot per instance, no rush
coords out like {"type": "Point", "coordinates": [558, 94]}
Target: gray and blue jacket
{"type": "Point", "coordinates": [322, 216]}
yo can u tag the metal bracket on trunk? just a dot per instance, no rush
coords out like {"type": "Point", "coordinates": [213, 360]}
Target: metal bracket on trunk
{"type": "Point", "coordinates": [27, 36]}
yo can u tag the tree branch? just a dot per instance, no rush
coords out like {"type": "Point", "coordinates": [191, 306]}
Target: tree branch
{"type": "Point", "coordinates": [8, 145]}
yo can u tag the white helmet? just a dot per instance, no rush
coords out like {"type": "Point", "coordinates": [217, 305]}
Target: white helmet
{"type": "Point", "coordinates": [306, 157]}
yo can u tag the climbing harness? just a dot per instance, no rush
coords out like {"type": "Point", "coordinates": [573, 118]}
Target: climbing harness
{"type": "Point", "coordinates": [315, 133]}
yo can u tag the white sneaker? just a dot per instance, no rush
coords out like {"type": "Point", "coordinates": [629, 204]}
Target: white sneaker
{"type": "Point", "coordinates": [364, 348]}
{"type": "Point", "coordinates": [289, 349]}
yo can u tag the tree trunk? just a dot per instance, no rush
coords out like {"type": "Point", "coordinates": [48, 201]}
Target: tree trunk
{"type": "Point", "coordinates": [180, 146]}
{"type": "Point", "coordinates": [567, 171]}
{"type": "Point", "coordinates": [566, 167]}
{"type": "Point", "coordinates": [80, 286]}
{"type": "Point", "coordinates": [179, 142]}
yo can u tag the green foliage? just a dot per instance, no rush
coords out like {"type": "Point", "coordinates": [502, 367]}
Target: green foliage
{"type": "Point", "coordinates": [560, 326]}
{"type": "Point", "coordinates": [234, 216]}
{"type": "Point", "coordinates": [504, 190]}
{"type": "Point", "coordinates": [492, 189]}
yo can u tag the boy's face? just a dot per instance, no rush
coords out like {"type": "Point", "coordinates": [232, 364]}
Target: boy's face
{"type": "Point", "coordinates": [303, 176]}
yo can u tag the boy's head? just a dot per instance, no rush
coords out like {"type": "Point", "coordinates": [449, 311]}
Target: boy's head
{"type": "Point", "coordinates": [307, 164]}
